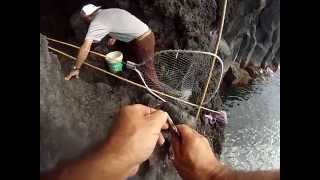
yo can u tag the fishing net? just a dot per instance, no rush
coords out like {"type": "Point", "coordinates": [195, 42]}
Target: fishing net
{"type": "Point", "coordinates": [184, 73]}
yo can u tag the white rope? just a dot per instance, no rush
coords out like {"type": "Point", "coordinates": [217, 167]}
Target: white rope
{"type": "Point", "coordinates": [216, 52]}
{"type": "Point", "coordinates": [74, 46]}
{"type": "Point", "coordinates": [147, 87]}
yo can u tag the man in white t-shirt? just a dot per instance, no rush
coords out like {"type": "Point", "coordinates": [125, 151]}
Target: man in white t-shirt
{"type": "Point", "coordinates": [120, 25]}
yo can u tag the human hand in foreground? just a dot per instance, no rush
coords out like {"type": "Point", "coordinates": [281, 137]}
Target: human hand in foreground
{"type": "Point", "coordinates": [73, 73]}
{"type": "Point", "coordinates": [135, 135]}
{"type": "Point", "coordinates": [131, 141]}
{"type": "Point", "coordinates": [194, 159]}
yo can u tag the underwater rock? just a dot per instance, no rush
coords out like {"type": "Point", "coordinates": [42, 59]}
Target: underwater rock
{"type": "Point", "coordinates": [236, 76]}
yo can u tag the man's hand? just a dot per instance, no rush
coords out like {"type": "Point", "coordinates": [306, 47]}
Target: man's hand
{"type": "Point", "coordinates": [82, 56]}
{"type": "Point", "coordinates": [111, 42]}
{"type": "Point", "coordinates": [193, 157]}
{"type": "Point", "coordinates": [73, 73]}
{"type": "Point", "coordinates": [135, 135]}
{"type": "Point", "coordinates": [131, 141]}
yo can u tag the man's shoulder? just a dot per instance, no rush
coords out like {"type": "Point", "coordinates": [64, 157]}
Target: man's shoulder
{"type": "Point", "coordinates": [113, 13]}
{"type": "Point", "coordinates": [114, 10]}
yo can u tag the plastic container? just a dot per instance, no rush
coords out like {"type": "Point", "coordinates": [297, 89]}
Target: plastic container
{"type": "Point", "coordinates": [114, 61]}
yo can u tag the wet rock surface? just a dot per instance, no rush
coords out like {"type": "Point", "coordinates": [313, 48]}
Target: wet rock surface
{"type": "Point", "coordinates": [235, 76]}
{"type": "Point", "coordinates": [252, 30]}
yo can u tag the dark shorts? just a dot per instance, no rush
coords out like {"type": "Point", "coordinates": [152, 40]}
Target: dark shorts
{"type": "Point", "coordinates": [140, 51]}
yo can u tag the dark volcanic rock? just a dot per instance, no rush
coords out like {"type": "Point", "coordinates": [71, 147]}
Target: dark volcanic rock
{"type": "Point", "coordinates": [252, 30]}
{"type": "Point", "coordinates": [74, 115]}
{"type": "Point", "coordinates": [235, 76]}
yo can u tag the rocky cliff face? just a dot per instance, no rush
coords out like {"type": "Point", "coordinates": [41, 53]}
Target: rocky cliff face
{"type": "Point", "coordinates": [252, 33]}
{"type": "Point", "coordinates": [73, 115]}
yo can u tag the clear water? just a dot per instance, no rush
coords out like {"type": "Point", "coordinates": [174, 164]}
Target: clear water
{"type": "Point", "coordinates": [253, 130]}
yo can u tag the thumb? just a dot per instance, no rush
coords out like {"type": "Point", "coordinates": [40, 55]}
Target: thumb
{"type": "Point", "coordinates": [158, 119]}
{"type": "Point", "coordinates": [68, 77]}
{"type": "Point", "coordinates": [187, 133]}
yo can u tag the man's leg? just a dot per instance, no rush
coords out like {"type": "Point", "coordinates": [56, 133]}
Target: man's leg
{"type": "Point", "coordinates": [145, 54]}
{"type": "Point", "coordinates": [144, 50]}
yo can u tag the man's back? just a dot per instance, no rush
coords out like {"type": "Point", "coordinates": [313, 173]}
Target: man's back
{"type": "Point", "coordinates": [118, 23]}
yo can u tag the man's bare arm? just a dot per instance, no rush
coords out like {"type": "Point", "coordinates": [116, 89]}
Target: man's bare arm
{"type": "Point", "coordinates": [83, 53]}
{"type": "Point", "coordinates": [82, 56]}
{"type": "Point", "coordinates": [194, 159]}
{"type": "Point", "coordinates": [230, 174]}
{"type": "Point", "coordinates": [121, 154]}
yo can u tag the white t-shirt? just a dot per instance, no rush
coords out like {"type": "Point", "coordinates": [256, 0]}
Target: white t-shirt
{"type": "Point", "coordinates": [118, 23]}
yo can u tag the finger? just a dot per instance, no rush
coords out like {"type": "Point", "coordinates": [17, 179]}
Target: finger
{"type": "Point", "coordinates": [161, 140]}
{"type": "Point", "coordinates": [184, 129]}
{"type": "Point", "coordinates": [158, 119]}
{"type": "Point", "coordinates": [165, 126]}
{"type": "Point", "coordinates": [149, 110]}
{"type": "Point", "coordinates": [146, 110]}
{"type": "Point", "coordinates": [134, 170]}
{"type": "Point", "coordinates": [68, 77]}
{"type": "Point", "coordinates": [186, 132]}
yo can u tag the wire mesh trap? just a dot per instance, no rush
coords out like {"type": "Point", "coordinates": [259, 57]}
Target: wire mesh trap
{"type": "Point", "coordinates": [183, 73]}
